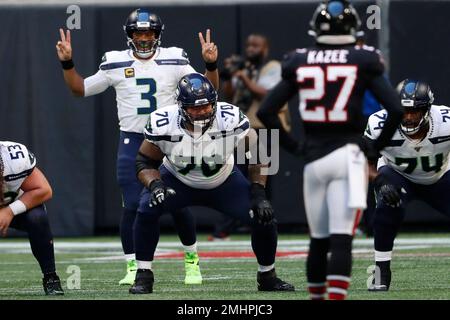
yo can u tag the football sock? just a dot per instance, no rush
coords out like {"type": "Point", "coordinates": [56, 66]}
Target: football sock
{"type": "Point", "coordinates": [316, 267]}
{"type": "Point", "coordinates": [126, 230]}
{"type": "Point", "coordinates": [185, 224]}
{"type": "Point", "coordinates": [191, 248]}
{"type": "Point", "coordinates": [386, 224]}
{"type": "Point", "coordinates": [264, 243]}
{"type": "Point", "coordinates": [144, 265]}
{"type": "Point", "coordinates": [339, 266]}
{"type": "Point", "coordinates": [146, 236]}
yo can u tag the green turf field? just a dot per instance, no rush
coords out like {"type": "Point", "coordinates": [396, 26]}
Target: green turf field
{"type": "Point", "coordinates": [420, 268]}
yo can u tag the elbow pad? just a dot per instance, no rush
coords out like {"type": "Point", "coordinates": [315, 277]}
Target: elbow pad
{"type": "Point", "coordinates": [143, 162]}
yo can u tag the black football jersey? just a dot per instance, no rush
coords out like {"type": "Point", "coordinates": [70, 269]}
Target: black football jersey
{"type": "Point", "coordinates": [332, 81]}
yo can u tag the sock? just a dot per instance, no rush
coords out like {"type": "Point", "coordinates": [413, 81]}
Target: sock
{"type": "Point", "coordinates": [264, 243]}
{"type": "Point", "coordinates": [126, 230]}
{"type": "Point", "coordinates": [144, 265]}
{"type": "Point", "coordinates": [130, 257]}
{"type": "Point", "coordinates": [265, 268]}
{"type": "Point", "coordinates": [383, 256]}
{"type": "Point", "coordinates": [146, 236]}
{"type": "Point", "coordinates": [185, 224]}
{"type": "Point", "coordinates": [316, 267]}
{"type": "Point", "coordinates": [191, 248]}
{"type": "Point", "coordinates": [339, 266]}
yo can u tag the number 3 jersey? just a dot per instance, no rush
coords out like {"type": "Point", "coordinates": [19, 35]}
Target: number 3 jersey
{"type": "Point", "coordinates": [141, 86]}
{"type": "Point", "coordinates": [199, 160]}
{"type": "Point", "coordinates": [331, 82]}
{"type": "Point", "coordinates": [17, 165]}
{"type": "Point", "coordinates": [422, 162]}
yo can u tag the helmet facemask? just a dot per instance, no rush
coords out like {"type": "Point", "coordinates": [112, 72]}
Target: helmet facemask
{"type": "Point", "coordinates": [143, 48]}
{"type": "Point", "coordinates": [202, 121]}
{"type": "Point", "coordinates": [411, 128]}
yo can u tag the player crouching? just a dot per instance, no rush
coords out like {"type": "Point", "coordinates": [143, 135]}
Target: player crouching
{"type": "Point", "coordinates": [23, 191]}
{"type": "Point", "coordinates": [183, 162]}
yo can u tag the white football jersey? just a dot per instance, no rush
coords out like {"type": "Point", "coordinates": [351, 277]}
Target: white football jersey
{"type": "Point", "coordinates": [141, 86]}
{"type": "Point", "coordinates": [202, 161]}
{"type": "Point", "coordinates": [422, 162]}
{"type": "Point", "coordinates": [18, 163]}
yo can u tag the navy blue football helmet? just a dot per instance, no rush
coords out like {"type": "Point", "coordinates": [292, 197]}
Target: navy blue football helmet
{"type": "Point", "coordinates": [143, 20]}
{"type": "Point", "coordinates": [335, 22]}
{"type": "Point", "coordinates": [415, 95]}
{"type": "Point", "coordinates": [195, 90]}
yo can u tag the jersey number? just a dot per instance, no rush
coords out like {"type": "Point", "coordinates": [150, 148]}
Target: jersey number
{"type": "Point", "coordinates": [426, 166]}
{"type": "Point", "coordinates": [207, 170]}
{"type": "Point", "coordinates": [319, 113]}
{"type": "Point", "coordinates": [15, 154]}
{"type": "Point", "coordinates": [148, 95]}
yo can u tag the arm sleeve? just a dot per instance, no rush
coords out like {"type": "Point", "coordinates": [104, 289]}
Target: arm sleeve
{"type": "Point", "coordinates": [271, 76]}
{"type": "Point", "coordinates": [270, 107]}
{"type": "Point", "coordinates": [386, 95]}
{"type": "Point", "coordinates": [96, 83]}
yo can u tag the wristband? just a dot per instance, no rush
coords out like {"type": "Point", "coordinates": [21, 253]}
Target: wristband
{"type": "Point", "coordinates": [18, 207]}
{"type": "Point", "coordinates": [67, 65]}
{"type": "Point", "coordinates": [211, 66]}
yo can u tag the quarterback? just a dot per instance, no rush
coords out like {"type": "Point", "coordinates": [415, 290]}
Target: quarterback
{"type": "Point", "coordinates": [414, 165]}
{"type": "Point", "coordinates": [187, 159]}
{"type": "Point", "coordinates": [145, 78]}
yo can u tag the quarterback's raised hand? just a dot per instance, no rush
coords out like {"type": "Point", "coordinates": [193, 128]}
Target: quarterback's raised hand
{"type": "Point", "coordinates": [261, 209]}
{"type": "Point", "coordinates": [64, 46]}
{"type": "Point", "coordinates": [159, 192]}
{"type": "Point", "coordinates": [209, 49]}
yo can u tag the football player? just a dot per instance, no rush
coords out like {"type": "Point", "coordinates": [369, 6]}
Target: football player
{"type": "Point", "coordinates": [23, 192]}
{"type": "Point", "coordinates": [413, 166]}
{"type": "Point", "coordinates": [330, 80]}
{"type": "Point", "coordinates": [186, 160]}
{"type": "Point", "coordinates": [145, 78]}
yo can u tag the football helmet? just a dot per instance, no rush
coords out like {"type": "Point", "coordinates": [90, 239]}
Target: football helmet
{"type": "Point", "coordinates": [335, 22]}
{"type": "Point", "coordinates": [195, 90]}
{"type": "Point", "coordinates": [415, 95]}
{"type": "Point", "coordinates": [143, 20]}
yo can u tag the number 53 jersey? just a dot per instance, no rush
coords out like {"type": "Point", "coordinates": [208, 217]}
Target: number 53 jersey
{"type": "Point", "coordinates": [422, 162]}
{"type": "Point", "coordinates": [18, 163]}
{"type": "Point", "coordinates": [201, 160]}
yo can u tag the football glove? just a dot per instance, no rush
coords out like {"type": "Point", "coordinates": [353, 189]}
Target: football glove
{"type": "Point", "coordinates": [261, 208]}
{"type": "Point", "coordinates": [389, 193]}
{"type": "Point", "coordinates": [159, 192]}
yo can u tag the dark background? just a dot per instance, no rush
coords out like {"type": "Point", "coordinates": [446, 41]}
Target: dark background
{"type": "Point", "coordinates": [75, 140]}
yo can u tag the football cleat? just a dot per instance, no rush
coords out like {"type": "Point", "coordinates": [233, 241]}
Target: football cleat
{"type": "Point", "coordinates": [52, 286]}
{"type": "Point", "coordinates": [268, 281]}
{"type": "Point", "coordinates": [385, 280]}
{"type": "Point", "coordinates": [143, 283]}
{"type": "Point", "coordinates": [131, 273]}
{"type": "Point", "coordinates": [191, 264]}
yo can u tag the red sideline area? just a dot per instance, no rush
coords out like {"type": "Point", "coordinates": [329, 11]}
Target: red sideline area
{"type": "Point", "coordinates": [228, 254]}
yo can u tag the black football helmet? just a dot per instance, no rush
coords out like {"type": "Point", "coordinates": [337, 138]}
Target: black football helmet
{"type": "Point", "coordinates": [335, 22]}
{"type": "Point", "coordinates": [195, 90]}
{"type": "Point", "coordinates": [143, 20]}
{"type": "Point", "coordinates": [415, 95]}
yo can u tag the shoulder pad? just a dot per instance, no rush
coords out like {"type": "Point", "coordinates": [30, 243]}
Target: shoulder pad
{"type": "Point", "coordinates": [231, 117]}
{"type": "Point", "coordinates": [290, 63]}
{"type": "Point", "coordinates": [20, 160]}
{"type": "Point", "coordinates": [160, 124]}
{"type": "Point", "coordinates": [116, 59]}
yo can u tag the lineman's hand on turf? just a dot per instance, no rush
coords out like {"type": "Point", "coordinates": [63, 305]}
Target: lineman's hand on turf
{"type": "Point", "coordinates": [261, 208]}
{"type": "Point", "coordinates": [159, 192]}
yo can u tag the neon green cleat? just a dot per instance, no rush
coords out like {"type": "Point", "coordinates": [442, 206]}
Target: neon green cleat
{"type": "Point", "coordinates": [131, 273]}
{"type": "Point", "coordinates": [191, 264]}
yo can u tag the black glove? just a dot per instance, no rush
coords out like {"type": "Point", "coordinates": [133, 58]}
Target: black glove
{"type": "Point", "coordinates": [370, 150]}
{"type": "Point", "coordinates": [389, 193]}
{"type": "Point", "coordinates": [261, 208]}
{"type": "Point", "coordinates": [159, 192]}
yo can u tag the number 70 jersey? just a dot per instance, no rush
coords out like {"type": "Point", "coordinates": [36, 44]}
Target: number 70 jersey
{"type": "Point", "coordinates": [422, 162]}
{"type": "Point", "coordinates": [199, 160]}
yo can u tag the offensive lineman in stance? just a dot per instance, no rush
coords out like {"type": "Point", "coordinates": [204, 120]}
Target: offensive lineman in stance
{"type": "Point", "coordinates": [187, 159]}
